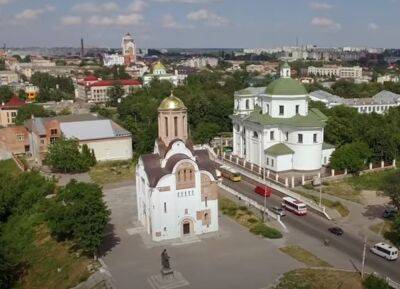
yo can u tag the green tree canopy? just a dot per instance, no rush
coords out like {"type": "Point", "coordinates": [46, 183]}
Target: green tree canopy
{"type": "Point", "coordinates": [79, 214]}
{"type": "Point", "coordinates": [352, 157]}
{"type": "Point", "coordinates": [6, 93]}
{"type": "Point", "coordinates": [115, 94]}
{"type": "Point", "coordinates": [26, 111]}
{"type": "Point", "coordinates": [65, 156]}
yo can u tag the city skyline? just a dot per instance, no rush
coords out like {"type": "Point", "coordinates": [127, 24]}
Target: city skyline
{"type": "Point", "coordinates": [200, 23]}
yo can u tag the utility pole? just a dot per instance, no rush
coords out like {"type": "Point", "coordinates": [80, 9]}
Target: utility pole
{"type": "Point", "coordinates": [363, 257]}
{"type": "Point", "coordinates": [320, 188]}
{"type": "Point", "coordinates": [265, 196]}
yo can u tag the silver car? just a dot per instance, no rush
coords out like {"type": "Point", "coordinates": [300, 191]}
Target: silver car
{"type": "Point", "coordinates": [279, 211]}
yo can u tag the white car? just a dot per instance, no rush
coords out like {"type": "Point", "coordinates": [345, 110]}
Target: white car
{"type": "Point", "coordinates": [385, 250]}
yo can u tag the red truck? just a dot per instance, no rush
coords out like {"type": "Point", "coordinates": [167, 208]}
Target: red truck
{"type": "Point", "coordinates": [263, 191]}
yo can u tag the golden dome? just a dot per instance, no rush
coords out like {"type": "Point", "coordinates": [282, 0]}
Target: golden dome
{"type": "Point", "coordinates": [172, 103]}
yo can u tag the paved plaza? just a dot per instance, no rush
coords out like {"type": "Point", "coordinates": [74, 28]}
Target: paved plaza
{"type": "Point", "coordinates": [232, 258]}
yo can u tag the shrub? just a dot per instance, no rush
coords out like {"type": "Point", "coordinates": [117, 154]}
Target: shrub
{"type": "Point", "coordinates": [374, 282]}
{"type": "Point", "coordinates": [252, 220]}
{"type": "Point", "coordinates": [265, 231]}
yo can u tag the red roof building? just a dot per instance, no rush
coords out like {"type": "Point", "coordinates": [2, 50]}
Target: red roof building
{"type": "Point", "coordinates": [97, 91]}
{"type": "Point", "coordinates": [8, 111]}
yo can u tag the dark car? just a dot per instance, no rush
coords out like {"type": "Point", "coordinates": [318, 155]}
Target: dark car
{"type": "Point", "coordinates": [389, 213]}
{"type": "Point", "coordinates": [336, 230]}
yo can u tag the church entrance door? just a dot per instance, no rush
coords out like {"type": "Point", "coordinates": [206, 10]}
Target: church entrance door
{"type": "Point", "coordinates": [186, 228]}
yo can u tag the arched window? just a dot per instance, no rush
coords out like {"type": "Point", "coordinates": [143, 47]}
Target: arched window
{"type": "Point", "coordinates": [267, 109]}
{"type": "Point", "coordinates": [247, 104]}
{"type": "Point", "coordinates": [166, 126]}
{"type": "Point", "coordinates": [255, 134]}
{"type": "Point", "coordinates": [176, 125]}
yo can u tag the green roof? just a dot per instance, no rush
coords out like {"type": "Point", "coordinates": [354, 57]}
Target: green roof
{"type": "Point", "coordinates": [279, 149]}
{"type": "Point", "coordinates": [286, 86]}
{"type": "Point", "coordinates": [314, 118]}
{"type": "Point", "coordinates": [285, 65]}
{"type": "Point", "coordinates": [327, 146]}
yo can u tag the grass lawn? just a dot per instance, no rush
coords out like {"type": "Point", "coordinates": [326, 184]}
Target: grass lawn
{"type": "Point", "coordinates": [247, 218]}
{"type": "Point", "coordinates": [338, 206]}
{"type": "Point", "coordinates": [381, 228]}
{"type": "Point", "coordinates": [350, 188]}
{"type": "Point", "coordinates": [320, 279]}
{"type": "Point", "coordinates": [342, 189]}
{"type": "Point", "coordinates": [9, 166]}
{"type": "Point", "coordinates": [304, 256]}
{"type": "Point", "coordinates": [53, 264]}
{"type": "Point", "coordinates": [112, 172]}
{"type": "Point", "coordinates": [371, 181]}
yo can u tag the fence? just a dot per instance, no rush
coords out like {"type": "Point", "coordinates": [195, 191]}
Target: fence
{"type": "Point", "coordinates": [292, 181]}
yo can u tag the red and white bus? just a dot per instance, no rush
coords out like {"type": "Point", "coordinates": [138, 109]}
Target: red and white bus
{"type": "Point", "coordinates": [294, 206]}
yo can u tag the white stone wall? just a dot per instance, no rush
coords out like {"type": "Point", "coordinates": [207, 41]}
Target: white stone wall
{"type": "Point", "coordinates": [111, 149]}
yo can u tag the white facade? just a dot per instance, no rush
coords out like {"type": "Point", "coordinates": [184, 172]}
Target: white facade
{"type": "Point", "coordinates": [176, 185]}
{"type": "Point", "coordinates": [128, 49]}
{"type": "Point", "coordinates": [110, 60]}
{"type": "Point", "coordinates": [200, 62]}
{"type": "Point", "coordinates": [114, 149]}
{"type": "Point", "coordinates": [379, 103]}
{"type": "Point", "coordinates": [337, 71]}
{"type": "Point", "coordinates": [164, 208]}
{"type": "Point", "coordinates": [159, 72]}
{"type": "Point", "coordinates": [274, 128]}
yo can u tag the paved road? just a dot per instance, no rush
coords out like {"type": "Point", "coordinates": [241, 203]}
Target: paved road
{"type": "Point", "coordinates": [316, 226]}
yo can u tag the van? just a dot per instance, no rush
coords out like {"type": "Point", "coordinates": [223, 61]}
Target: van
{"type": "Point", "coordinates": [385, 250]}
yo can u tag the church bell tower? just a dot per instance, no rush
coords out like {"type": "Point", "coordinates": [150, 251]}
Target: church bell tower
{"type": "Point", "coordinates": [172, 120]}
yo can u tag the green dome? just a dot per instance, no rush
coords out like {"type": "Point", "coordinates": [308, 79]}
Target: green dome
{"type": "Point", "coordinates": [286, 86]}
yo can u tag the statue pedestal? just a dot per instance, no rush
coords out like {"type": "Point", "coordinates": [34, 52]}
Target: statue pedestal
{"type": "Point", "coordinates": [167, 279]}
{"type": "Point", "coordinates": [167, 272]}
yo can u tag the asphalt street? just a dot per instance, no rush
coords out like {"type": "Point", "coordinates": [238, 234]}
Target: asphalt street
{"type": "Point", "coordinates": [317, 226]}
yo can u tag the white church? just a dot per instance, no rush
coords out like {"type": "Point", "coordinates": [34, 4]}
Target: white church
{"type": "Point", "coordinates": [273, 127]}
{"type": "Point", "coordinates": [176, 186]}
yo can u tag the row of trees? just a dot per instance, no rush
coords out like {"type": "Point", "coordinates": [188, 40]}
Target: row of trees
{"type": "Point", "coordinates": [77, 213]}
{"type": "Point", "coordinates": [361, 138]}
{"type": "Point", "coordinates": [53, 88]}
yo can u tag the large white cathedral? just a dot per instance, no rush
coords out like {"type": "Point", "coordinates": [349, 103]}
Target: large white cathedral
{"type": "Point", "coordinates": [176, 185]}
{"type": "Point", "coordinates": [273, 127]}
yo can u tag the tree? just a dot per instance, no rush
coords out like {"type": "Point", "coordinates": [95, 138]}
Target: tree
{"type": "Point", "coordinates": [26, 111]}
{"type": "Point", "coordinates": [351, 157]}
{"type": "Point", "coordinates": [205, 131]}
{"type": "Point", "coordinates": [115, 94]}
{"type": "Point", "coordinates": [79, 214]}
{"type": "Point", "coordinates": [2, 64]}
{"type": "Point", "coordinates": [391, 187]}
{"type": "Point", "coordinates": [64, 156]}
{"type": "Point", "coordinates": [6, 93]}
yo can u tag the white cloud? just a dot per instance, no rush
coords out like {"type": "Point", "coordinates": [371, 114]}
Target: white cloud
{"type": "Point", "coordinates": [119, 20]}
{"type": "Point", "coordinates": [71, 20]}
{"type": "Point", "coordinates": [324, 22]}
{"type": "Point", "coordinates": [31, 14]}
{"type": "Point", "coordinates": [320, 6]}
{"type": "Point", "coordinates": [207, 17]}
{"type": "Point", "coordinates": [90, 7]}
{"type": "Point", "coordinates": [137, 6]}
{"type": "Point", "coordinates": [373, 26]}
{"type": "Point", "coordinates": [168, 21]}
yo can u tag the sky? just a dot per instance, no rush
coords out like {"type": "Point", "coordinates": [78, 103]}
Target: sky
{"type": "Point", "coordinates": [201, 23]}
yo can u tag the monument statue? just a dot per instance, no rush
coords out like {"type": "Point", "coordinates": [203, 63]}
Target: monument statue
{"type": "Point", "coordinates": [165, 260]}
